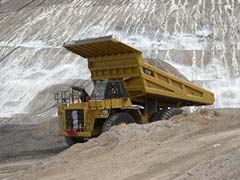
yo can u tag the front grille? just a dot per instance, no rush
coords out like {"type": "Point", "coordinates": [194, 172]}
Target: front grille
{"type": "Point", "coordinates": [75, 119]}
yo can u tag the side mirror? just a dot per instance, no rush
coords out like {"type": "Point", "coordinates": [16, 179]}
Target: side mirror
{"type": "Point", "coordinates": [56, 96]}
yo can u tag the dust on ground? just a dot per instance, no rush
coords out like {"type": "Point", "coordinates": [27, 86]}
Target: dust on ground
{"type": "Point", "coordinates": [201, 145]}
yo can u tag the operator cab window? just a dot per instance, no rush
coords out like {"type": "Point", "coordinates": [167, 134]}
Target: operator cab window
{"type": "Point", "coordinates": [112, 90]}
{"type": "Point", "coordinates": [99, 90]}
{"type": "Point", "coordinates": [115, 89]}
{"type": "Point", "coordinates": [108, 90]}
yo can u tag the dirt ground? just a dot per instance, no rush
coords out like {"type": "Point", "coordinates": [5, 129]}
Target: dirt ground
{"type": "Point", "coordinates": [202, 145]}
{"type": "Point", "coordinates": [27, 140]}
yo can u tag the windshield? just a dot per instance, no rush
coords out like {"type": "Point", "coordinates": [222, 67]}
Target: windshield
{"type": "Point", "coordinates": [99, 90]}
{"type": "Point", "coordinates": [108, 90]}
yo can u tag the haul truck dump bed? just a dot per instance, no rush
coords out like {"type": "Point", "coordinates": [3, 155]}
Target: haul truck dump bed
{"type": "Point", "coordinates": [109, 59]}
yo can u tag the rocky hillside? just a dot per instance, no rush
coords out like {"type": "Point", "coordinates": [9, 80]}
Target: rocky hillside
{"type": "Point", "coordinates": [199, 37]}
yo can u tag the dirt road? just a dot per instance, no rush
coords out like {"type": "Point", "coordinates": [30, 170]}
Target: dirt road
{"type": "Point", "coordinates": [203, 145]}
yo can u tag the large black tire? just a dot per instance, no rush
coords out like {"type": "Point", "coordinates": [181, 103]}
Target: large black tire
{"type": "Point", "coordinates": [73, 140]}
{"type": "Point", "coordinates": [116, 119]}
{"type": "Point", "coordinates": [165, 114]}
{"type": "Point", "coordinates": [170, 113]}
{"type": "Point", "coordinates": [157, 116]}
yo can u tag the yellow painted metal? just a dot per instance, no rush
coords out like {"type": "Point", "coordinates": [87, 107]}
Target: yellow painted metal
{"type": "Point", "coordinates": [99, 47]}
{"type": "Point", "coordinates": [110, 103]}
{"type": "Point", "coordinates": [109, 59]}
{"type": "Point", "coordinates": [93, 110]}
{"type": "Point", "coordinates": [86, 134]}
{"type": "Point", "coordinates": [79, 134]}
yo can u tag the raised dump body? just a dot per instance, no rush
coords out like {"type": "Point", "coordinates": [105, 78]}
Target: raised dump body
{"type": "Point", "coordinates": [109, 59]}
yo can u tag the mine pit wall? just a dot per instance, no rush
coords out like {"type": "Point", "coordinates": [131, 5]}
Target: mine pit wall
{"type": "Point", "coordinates": [199, 37]}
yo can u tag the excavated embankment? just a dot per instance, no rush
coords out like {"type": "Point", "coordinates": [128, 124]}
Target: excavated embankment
{"type": "Point", "coordinates": [202, 145]}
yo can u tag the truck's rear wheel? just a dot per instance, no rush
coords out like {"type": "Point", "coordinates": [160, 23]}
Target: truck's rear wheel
{"type": "Point", "coordinates": [117, 119]}
{"type": "Point", "coordinates": [73, 140]}
{"type": "Point", "coordinates": [170, 113]}
{"type": "Point", "coordinates": [157, 116]}
{"type": "Point", "coordinates": [165, 114]}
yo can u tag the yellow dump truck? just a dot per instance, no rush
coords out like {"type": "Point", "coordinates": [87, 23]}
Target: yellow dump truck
{"type": "Point", "coordinates": [126, 90]}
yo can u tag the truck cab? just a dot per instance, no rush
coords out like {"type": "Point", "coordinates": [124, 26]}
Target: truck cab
{"type": "Point", "coordinates": [83, 117]}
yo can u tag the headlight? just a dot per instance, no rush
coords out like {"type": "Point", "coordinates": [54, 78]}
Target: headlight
{"type": "Point", "coordinates": [105, 111]}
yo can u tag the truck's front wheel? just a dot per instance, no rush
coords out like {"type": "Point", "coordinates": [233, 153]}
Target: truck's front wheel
{"type": "Point", "coordinates": [117, 119]}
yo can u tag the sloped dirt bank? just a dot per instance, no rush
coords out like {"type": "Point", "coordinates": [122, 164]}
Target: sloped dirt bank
{"type": "Point", "coordinates": [202, 145]}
